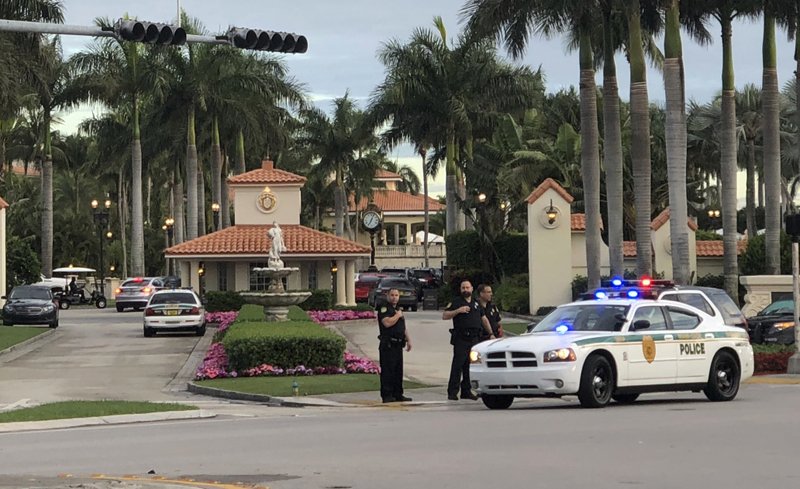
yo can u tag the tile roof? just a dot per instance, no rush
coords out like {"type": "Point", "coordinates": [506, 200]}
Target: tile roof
{"type": "Point", "coordinates": [544, 186]}
{"type": "Point", "coordinates": [266, 175]}
{"type": "Point", "coordinates": [396, 201]}
{"type": "Point", "coordinates": [578, 222]}
{"type": "Point", "coordinates": [715, 248]}
{"type": "Point", "coordinates": [253, 240]}
{"type": "Point", "coordinates": [663, 218]}
{"type": "Point", "coordinates": [387, 175]}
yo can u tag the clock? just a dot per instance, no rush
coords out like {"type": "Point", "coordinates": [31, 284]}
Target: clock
{"type": "Point", "coordinates": [371, 221]}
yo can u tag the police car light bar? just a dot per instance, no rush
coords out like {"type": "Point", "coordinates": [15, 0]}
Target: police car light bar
{"type": "Point", "coordinates": [643, 282]}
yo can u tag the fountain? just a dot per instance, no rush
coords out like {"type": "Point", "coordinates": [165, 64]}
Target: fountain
{"type": "Point", "coordinates": [275, 300]}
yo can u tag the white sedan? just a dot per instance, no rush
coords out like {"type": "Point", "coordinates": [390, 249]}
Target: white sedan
{"type": "Point", "coordinates": [614, 349]}
{"type": "Point", "coordinates": [174, 310]}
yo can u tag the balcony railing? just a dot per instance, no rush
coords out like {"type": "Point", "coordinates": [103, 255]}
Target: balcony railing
{"type": "Point", "coordinates": [435, 250]}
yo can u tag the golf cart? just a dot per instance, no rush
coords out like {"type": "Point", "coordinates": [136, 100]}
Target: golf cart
{"type": "Point", "coordinates": [75, 294]}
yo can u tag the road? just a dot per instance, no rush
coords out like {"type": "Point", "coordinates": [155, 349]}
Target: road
{"type": "Point", "coordinates": [95, 354]}
{"type": "Point", "coordinates": [666, 441]}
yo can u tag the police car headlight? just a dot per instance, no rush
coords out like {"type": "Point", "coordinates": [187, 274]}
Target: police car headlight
{"type": "Point", "coordinates": [560, 355]}
{"type": "Point", "coordinates": [782, 326]}
{"type": "Point", "coordinates": [474, 357]}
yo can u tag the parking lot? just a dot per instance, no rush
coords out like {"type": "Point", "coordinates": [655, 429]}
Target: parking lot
{"type": "Point", "coordinates": [96, 354]}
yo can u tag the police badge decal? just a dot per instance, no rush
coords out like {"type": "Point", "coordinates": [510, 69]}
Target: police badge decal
{"type": "Point", "coordinates": [649, 348]}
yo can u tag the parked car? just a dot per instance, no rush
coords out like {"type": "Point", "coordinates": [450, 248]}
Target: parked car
{"type": "Point", "coordinates": [774, 324]}
{"type": "Point", "coordinates": [408, 274]}
{"type": "Point", "coordinates": [426, 276]}
{"type": "Point", "coordinates": [365, 283]}
{"type": "Point", "coordinates": [30, 304]}
{"type": "Point", "coordinates": [408, 292]}
{"type": "Point", "coordinates": [172, 310]}
{"type": "Point", "coordinates": [135, 292]}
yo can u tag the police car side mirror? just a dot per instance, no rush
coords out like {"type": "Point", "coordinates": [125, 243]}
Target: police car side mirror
{"type": "Point", "coordinates": [640, 324]}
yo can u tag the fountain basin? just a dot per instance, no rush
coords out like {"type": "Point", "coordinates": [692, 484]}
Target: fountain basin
{"type": "Point", "coordinates": [276, 304]}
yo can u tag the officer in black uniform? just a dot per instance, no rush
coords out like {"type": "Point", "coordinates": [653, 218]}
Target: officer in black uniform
{"type": "Point", "coordinates": [393, 338]}
{"type": "Point", "coordinates": [468, 322]}
{"type": "Point", "coordinates": [491, 311]}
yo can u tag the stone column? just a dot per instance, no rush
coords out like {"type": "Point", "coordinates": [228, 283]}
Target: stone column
{"type": "Point", "coordinates": [409, 236]}
{"type": "Point", "coordinates": [396, 234]}
{"type": "Point", "coordinates": [350, 287]}
{"type": "Point", "coordinates": [341, 283]}
{"type": "Point", "coordinates": [194, 279]}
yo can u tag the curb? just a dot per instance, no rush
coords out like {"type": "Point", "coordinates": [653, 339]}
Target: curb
{"type": "Point", "coordinates": [195, 358]}
{"type": "Point", "coordinates": [264, 398]}
{"type": "Point", "coordinates": [780, 379]}
{"type": "Point", "coordinates": [105, 420]}
{"type": "Point", "coordinates": [29, 341]}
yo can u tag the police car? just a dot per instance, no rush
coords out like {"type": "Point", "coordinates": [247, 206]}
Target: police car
{"type": "Point", "coordinates": [614, 347]}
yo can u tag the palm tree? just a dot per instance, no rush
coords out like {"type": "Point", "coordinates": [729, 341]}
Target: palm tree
{"type": "Point", "coordinates": [112, 72]}
{"type": "Point", "coordinates": [749, 111]}
{"type": "Point", "coordinates": [770, 105]}
{"type": "Point", "coordinates": [513, 21]}
{"type": "Point", "coordinates": [461, 85]}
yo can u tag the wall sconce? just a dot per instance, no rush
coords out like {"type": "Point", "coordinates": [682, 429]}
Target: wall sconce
{"type": "Point", "coordinates": [481, 198]}
{"type": "Point", "coordinates": [334, 268]}
{"type": "Point", "coordinates": [551, 212]}
{"type": "Point", "coordinates": [201, 269]}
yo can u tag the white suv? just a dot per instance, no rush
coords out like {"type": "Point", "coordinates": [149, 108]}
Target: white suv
{"type": "Point", "coordinates": [174, 310]}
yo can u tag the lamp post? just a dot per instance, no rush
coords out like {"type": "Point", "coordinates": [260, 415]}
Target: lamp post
{"type": "Point", "coordinates": [169, 223]}
{"type": "Point", "coordinates": [713, 218]}
{"type": "Point", "coordinates": [215, 209]}
{"type": "Point", "coordinates": [100, 215]}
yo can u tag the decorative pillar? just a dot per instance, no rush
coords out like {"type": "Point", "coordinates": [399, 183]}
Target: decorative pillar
{"type": "Point", "coordinates": [396, 234]}
{"type": "Point", "coordinates": [341, 283]}
{"type": "Point", "coordinates": [409, 236]}
{"type": "Point", "coordinates": [350, 287]}
{"type": "Point", "coordinates": [194, 279]}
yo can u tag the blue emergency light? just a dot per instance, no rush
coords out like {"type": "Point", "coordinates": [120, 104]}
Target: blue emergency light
{"type": "Point", "coordinates": [633, 294]}
{"type": "Point", "coordinates": [562, 328]}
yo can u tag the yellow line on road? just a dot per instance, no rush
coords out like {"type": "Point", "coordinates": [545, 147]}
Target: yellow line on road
{"type": "Point", "coordinates": [187, 482]}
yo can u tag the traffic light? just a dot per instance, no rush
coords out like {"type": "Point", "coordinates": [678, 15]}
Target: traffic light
{"type": "Point", "coordinates": [258, 40]}
{"type": "Point", "coordinates": [150, 32]}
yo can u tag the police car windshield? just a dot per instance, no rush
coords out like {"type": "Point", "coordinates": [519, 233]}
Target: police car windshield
{"type": "Point", "coordinates": [584, 317]}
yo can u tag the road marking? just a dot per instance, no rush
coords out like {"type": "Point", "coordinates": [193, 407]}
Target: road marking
{"type": "Point", "coordinates": [187, 482]}
{"type": "Point", "coordinates": [16, 405]}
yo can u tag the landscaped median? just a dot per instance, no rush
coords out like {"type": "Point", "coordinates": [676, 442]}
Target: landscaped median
{"type": "Point", "coordinates": [282, 359]}
{"type": "Point", "coordinates": [772, 359]}
{"type": "Point", "coordinates": [88, 409]}
{"type": "Point", "coordinates": [12, 336]}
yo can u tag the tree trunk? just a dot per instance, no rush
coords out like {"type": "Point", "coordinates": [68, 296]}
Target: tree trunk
{"type": "Point", "coordinates": [728, 146]}
{"type": "Point", "coordinates": [224, 200]}
{"type": "Point", "coordinates": [675, 135]}
{"type": "Point", "coordinates": [640, 142]}
{"type": "Point", "coordinates": [750, 208]}
{"type": "Point", "coordinates": [772, 149]}
{"type": "Point", "coordinates": [612, 141]}
{"type": "Point", "coordinates": [149, 197]}
{"type": "Point", "coordinates": [191, 180]}
{"type": "Point", "coordinates": [47, 200]}
{"type": "Point", "coordinates": [137, 210]}
{"type": "Point", "coordinates": [180, 217]}
{"type": "Point", "coordinates": [216, 172]}
{"type": "Point", "coordinates": [339, 204]}
{"type": "Point", "coordinates": [123, 223]}
{"type": "Point", "coordinates": [426, 206]}
{"type": "Point", "coordinates": [202, 228]}
{"type": "Point", "coordinates": [590, 159]}
{"type": "Point", "coordinates": [240, 164]}
{"type": "Point", "coordinates": [451, 184]}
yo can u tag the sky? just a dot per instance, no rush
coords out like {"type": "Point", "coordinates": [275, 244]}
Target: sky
{"type": "Point", "coordinates": [345, 35]}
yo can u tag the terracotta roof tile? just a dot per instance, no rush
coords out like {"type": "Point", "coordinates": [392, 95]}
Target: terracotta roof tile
{"type": "Point", "coordinates": [266, 175]}
{"type": "Point", "coordinates": [629, 248]}
{"type": "Point", "coordinates": [544, 186]}
{"type": "Point", "coordinates": [387, 175]}
{"type": "Point", "coordinates": [663, 218]}
{"type": "Point", "coordinates": [578, 222]}
{"type": "Point", "coordinates": [396, 201]}
{"type": "Point", "coordinates": [253, 240]}
{"type": "Point", "coordinates": [715, 248]}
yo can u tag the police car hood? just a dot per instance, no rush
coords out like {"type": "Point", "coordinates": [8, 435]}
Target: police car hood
{"type": "Point", "coordinates": [535, 342]}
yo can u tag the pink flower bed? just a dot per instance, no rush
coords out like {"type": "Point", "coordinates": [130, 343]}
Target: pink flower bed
{"type": "Point", "coordinates": [224, 319]}
{"type": "Point", "coordinates": [328, 316]}
{"type": "Point", "coordinates": [215, 364]}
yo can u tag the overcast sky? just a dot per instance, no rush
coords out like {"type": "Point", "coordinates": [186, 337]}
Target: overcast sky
{"type": "Point", "coordinates": [345, 35]}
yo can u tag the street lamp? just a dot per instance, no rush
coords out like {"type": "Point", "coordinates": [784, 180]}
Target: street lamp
{"type": "Point", "coordinates": [169, 223]}
{"type": "Point", "coordinates": [100, 215]}
{"type": "Point", "coordinates": [215, 210]}
{"type": "Point", "coordinates": [713, 217]}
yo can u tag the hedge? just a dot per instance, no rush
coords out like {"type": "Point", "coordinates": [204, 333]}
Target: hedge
{"type": "Point", "coordinates": [753, 261]}
{"type": "Point", "coordinates": [772, 358]}
{"type": "Point", "coordinates": [464, 251]}
{"type": "Point", "coordinates": [217, 301]}
{"type": "Point", "coordinates": [286, 345]}
{"type": "Point", "coordinates": [320, 300]}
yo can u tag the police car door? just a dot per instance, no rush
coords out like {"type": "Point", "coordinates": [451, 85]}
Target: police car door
{"type": "Point", "coordinates": [651, 352]}
{"type": "Point", "coordinates": [693, 348]}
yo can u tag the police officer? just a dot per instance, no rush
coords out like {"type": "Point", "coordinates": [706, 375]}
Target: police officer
{"type": "Point", "coordinates": [393, 338]}
{"type": "Point", "coordinates": [489, 310]}
{"type": "Point", "coordinates": [468, 322]}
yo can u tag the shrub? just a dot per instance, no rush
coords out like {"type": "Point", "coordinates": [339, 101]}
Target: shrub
{"type": "Point", "coordinates": [512, 298]}
{"type": "Point", "coordinates": [545, 310]}
{"type": "Point", "coordinates": [223, 301]}
{"type": "Point", "coordinates": [297, 314]}
{"type": "Point", "coordinates": [474, 275]}
{"type": "Point", "coordinates": [320, 300]}
{"type": "Point", "coordinates": [703, 235]}
{"type": "Point", "coordinates": [512, 253]}
{"type": "Point", "coordinates": [580, 285]}
{"type": "Point", "coordinates": [250, 313]}
{"type": "Point", "coordinates": [708, 280]}
{"type": "Point", "coordinates": [285, 345]}
{"type": "Point", "coordinates": [463, 249]}
{"type": "Point", "coordinates": [753, 261]}
{"type": "Point", "coordinates": [772, 362]}
{"type": "Point", "coordinates": [358, 307]}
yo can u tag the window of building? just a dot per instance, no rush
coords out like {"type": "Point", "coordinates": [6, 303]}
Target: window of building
{"type": "Point", "coordinates": [312, 276]}
{"type": "Point", "coordinates": [222, 276]}
{"type": "Point", "coordinates": [258, 281]}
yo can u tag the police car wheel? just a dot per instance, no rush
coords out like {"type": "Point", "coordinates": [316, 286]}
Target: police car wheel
{"type": "Point", "coordinates": [625, 398]}
{"type": "Point", "coordinates": [497, 402]}
{"type": "Point", "coordinates": [723, 379]}
{"type": "Point", "coordinates": [597, 382]}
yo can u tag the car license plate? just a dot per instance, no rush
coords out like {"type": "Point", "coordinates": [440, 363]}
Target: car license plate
{"type": "Point", "coordinates": [172, 312]}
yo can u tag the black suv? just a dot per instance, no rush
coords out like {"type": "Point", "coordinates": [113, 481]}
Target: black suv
{"type": "Point", "coordinates": [774, 324]}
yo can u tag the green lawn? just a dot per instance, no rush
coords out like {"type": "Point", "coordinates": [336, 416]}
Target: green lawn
{"type": "Point", "coordinates": [86, 409]}
{"type": "Point", "coordinates": [10, 336]}
{"type": "Point", "coordinates": [313, 385]}
{"type": "Point", "coordinates": [516, 328]}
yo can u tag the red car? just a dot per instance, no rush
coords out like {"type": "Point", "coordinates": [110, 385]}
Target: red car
{"type": "Point", "coordinates": [365, 284]}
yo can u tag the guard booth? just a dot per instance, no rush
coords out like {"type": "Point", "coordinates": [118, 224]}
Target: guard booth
{"type": "Point", "coordinates": [430, 299]}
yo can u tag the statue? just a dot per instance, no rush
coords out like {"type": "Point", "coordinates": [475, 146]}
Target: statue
{"type": "Point", "coordinates": [276, 235]}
